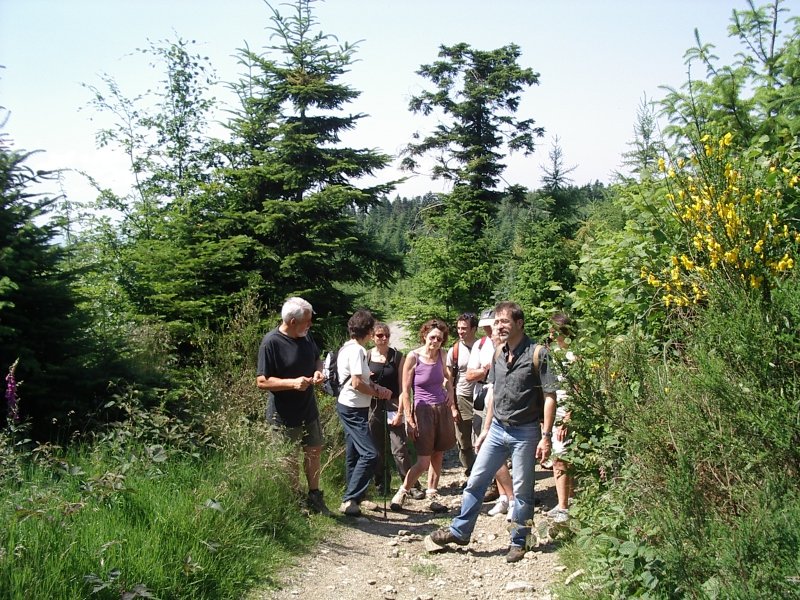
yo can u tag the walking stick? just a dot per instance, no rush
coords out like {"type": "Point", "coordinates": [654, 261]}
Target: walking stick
{"type": "Point", "coordinates": [386, 471]}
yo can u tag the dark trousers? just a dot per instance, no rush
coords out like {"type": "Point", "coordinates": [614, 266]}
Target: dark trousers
{"type": "Point", "coordinates": [378, 428]}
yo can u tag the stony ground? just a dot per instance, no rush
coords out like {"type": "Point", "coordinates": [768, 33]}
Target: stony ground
{"type": "Point", "coordinates": [381, 555]}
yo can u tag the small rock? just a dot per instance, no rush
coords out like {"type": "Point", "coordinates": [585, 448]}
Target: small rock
{"type": "Point", "coordinates": [295, 592]}
{"type": "Point", "coordinates": [403, 532]}
{"type": "Point", "coordinates": [392, 542]}
{"type": "Point", "coordinates": [519, 586]}
{"type": "Point", "coordinates": [573, 577]}
{"type": "Point", "coordinates": [372, 581]}
{"type": "Point", "coordinates": [491, 537]}
{"type": "Point", "coordinates": [395, 553]}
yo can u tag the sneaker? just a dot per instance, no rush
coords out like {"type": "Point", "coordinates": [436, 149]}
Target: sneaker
{"type": "Point", "coordinates": [562, 516]}
{"type": "Point", "coordinates": [350, 508]}
{"type": "Point", "coordinates": [492, 493]}
{"type": "Point", "coordinates": [398, 500]}
{"type": "Point", "coordinates": [515, 554]}
{"type": "Point", "coordinates": [500, 507]}
{"type": "Point", "coordinates": [443, 536]}
{"type": "Point", "coordinates": [554, 511]}
{"type": "Point", "coordinates": [416, 494]}
{"type": "Point", "coordinates": [368, 505]}
{"type": "Point", "coordinates": [316, 503]}
{"type": "Point", "coordinates": [431, 493]}
{"type": "Point", "coordinates": [510, 512]}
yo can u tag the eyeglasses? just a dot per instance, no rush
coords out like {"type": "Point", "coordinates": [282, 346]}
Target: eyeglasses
{"type": "Point", "coordinates": [381, 335]}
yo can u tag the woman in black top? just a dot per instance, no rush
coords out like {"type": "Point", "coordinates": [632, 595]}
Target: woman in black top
{"type": "Point", "coordinates": [386, 369]}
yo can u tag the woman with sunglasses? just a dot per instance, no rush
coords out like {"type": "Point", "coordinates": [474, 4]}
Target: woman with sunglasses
{"type": "Point", "coordinates": [430, 423]}
{"type": "Point", "coordinates": [386, 369]}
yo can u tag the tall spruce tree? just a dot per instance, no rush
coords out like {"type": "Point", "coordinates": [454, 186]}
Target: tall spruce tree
{"type": "Point", "coordinates": [476, 96]}
{"type": "Point", "coordinates": [290, 183]}
{"type": "Point", "coordinates": [38, 320]}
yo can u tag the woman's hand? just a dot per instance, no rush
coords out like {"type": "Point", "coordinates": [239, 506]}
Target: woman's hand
{"type": "Point", "coordinates": [560, 433]}
{"type": "Point", "coordinates": [411, 427]}
{"type": "Point", "coordinates": [397, 420]}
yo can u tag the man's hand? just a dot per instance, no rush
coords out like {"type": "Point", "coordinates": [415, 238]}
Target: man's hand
{"type": "Point", "coordinates": [302, 383]}
{"type": "Point", "coordinates": [543, 449]}
{"type": "Point", "coordinates": [318, 378]}
{"type": "Point", "coordinates": [479, 440]}
{"type": "Point", "coordinates": [383, 393]}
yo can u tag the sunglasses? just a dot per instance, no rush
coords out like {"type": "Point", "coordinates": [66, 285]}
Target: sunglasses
{"type": "Point", "coordinates": [381, 335]}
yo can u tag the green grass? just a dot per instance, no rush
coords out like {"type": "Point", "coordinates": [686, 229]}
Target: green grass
{"type": "Point", "coordinates": [181, 528]}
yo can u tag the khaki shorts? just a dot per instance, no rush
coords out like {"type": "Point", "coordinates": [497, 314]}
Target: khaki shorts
{"type": "Point", "coordinates": [308, 434]}
{"type": "Point", "coordinates": [435, 426]}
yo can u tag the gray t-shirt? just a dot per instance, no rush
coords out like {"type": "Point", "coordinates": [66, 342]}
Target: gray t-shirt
{"type": "Point", "coordinates": [518, 388]}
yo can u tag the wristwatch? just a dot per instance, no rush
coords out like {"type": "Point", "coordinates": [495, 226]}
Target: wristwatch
{"type": "Point", "coordinates": [547, 434]}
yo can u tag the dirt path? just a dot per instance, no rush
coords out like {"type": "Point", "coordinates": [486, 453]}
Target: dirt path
{"type": "Point", "coordinates": [377, 556]}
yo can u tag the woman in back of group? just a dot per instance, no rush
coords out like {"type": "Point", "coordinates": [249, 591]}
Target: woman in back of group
{"type": "Point", "coordinates": [431, 420]}
{"type": "Point", "coordinates": [386, 416]}
{"type": "Point", "coordinates": [353, 405]}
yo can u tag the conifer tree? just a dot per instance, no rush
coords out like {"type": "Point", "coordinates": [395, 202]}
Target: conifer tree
{"type": "Point", "coordinates": [291, 184]}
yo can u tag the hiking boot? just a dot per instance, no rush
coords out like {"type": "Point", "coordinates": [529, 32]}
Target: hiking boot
{"type": "Point", "coordinates": [438, 507]}
{"type": "Point", "coordinates": [368, 505]}
{"type": "Point", "coordinates": [444, 536]}
{"type": "Point", "coordinates": [492, 493]}
{"type": "Point", "coordinates": [398, 500]}
{"type": "Point", "coordinates": [350, 508]}
{"type": "Point", "coordinates": [416, 494]}
{"type": "Point", "coordinates": [500, 507]}
{"type": "Point", "coordinates": [316, 503]}
{"type": "Point", "coordinates": [515, 554]}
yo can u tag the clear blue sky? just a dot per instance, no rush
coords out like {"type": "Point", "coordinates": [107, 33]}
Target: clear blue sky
{"type": "Point", "coordinates": [596, 59]}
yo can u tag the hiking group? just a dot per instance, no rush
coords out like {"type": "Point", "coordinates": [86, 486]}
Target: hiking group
{"type": "Point", "coordinates": [498, 398]}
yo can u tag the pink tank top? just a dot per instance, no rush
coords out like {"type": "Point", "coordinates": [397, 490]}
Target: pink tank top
{"type": "Point", "coordinates": [428, 382]}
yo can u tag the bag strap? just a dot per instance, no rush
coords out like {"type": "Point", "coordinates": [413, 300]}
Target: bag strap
{"type": "Point", "coordinates": [537, 357]}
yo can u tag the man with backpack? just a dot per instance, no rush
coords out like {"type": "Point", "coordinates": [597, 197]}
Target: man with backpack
{"type": "Point", "coordinates": [289, 366]}
{"type": "Point", "coordinates": [457, 361]}
{"type": "Point", "coordinates": [524, 393]}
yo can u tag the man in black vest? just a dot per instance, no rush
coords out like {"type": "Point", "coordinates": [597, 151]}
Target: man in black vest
{"type": "Point", "coordinates": [523, 394]}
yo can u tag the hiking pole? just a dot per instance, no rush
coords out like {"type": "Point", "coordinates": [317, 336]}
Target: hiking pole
{"type": "Point", "coordinates": [386, 471]}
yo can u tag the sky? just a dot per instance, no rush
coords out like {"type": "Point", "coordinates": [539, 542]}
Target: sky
{"type": "Point", "coordinates": [596, 61]}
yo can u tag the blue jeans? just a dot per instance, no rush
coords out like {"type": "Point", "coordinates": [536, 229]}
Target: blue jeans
{"type": "Point", "coordinates": [520, 442]}
{"type": "Point", "coordinates": [360, 453]}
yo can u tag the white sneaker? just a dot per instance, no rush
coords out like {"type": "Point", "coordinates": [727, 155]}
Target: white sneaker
{"type": "Point", "coordinates": [350, 508]}
{"type": "Point", "coordinates": [500, 507]}
{"type": "Point", "coordinates": [431, 494]}
{"type": "Point", "coordinates": [554, 511]}
{"type": "Point", "coordinates": [561, 516]}
{"type": "Point", "coordinates": [510, 511]}
{"type": "Point", "coordinates": [398, 499]}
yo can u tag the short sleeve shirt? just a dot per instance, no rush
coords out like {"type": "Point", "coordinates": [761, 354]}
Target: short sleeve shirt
{"type": "Point", "coordinates": [463, 387]}
{"type": "Point", "coordinates": [352, 360]}
{"type": "Point", "coordinates": [518, 387]}
{"type": "Point", "coordinates": [481, 354]}
{"type": "Point", "coordinates": [286, 357]}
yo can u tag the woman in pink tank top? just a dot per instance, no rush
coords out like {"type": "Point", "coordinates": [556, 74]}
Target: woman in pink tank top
{"type": "Point", "coordinates": [430, 423]}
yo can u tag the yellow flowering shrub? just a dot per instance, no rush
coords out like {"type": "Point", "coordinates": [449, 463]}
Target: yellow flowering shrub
{"type": "Point", "coordinates": [731, 210]}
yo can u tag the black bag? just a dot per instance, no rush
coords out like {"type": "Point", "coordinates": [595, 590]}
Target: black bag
{"type": "Point", "coordinates": [480, 400]}
{"type": "Point", "coordinates": [330, 371]}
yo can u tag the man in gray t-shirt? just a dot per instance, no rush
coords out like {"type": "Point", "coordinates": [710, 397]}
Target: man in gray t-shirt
{"type": "Point", "coordinates": [524, 392]}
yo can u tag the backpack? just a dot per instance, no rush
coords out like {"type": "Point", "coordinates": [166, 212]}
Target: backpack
{"type": "Point", "coordinates": [330, 371]}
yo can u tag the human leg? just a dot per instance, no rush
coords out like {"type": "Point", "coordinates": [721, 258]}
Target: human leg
{"type": "Point", "coordinates": [435, 470]}
{"type": "Point", "coordinates": [399, 444]}
{"type": "Point", "coordinates": [377, 431]}
{"type": "Point", "coordinates": [493, 454]}
{"type": "Point", "coordinates": [523, 440]}
{"type": "Point", "coordinates": [463, 431]}
{"type": "Point", "coordinates": [361, 451]}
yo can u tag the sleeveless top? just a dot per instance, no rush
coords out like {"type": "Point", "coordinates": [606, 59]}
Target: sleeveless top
{"type": "Point", "coordinates": [385, 374]}
{"type": "Point", "coordinates": [428, 382]}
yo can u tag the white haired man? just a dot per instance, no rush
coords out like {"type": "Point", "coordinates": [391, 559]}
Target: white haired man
{"type": "Point", "coordinates": [289, 366]}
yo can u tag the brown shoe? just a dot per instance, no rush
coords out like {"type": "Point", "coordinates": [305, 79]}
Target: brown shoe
{"type": "Point", "coordinates": [492, 493]}
{"type": "Point", "coordinates": [443, 536]}
{"type": "Point", "coordinates": [515, 554]}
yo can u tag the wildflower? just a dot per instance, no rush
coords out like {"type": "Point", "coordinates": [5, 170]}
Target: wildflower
{"type": "Point", "coordinates": [662, 165]}
{"type": "Point", "coordinates": [11, 393]}
{"type": "Point", "coordinates": [758, 247]}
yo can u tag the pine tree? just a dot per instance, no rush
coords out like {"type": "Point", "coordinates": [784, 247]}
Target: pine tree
{"type": "Point", "coordinates": [291, 186]}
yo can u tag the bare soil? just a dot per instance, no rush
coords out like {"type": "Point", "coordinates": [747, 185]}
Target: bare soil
{"type": "Point", "coordinates": [381, 555]}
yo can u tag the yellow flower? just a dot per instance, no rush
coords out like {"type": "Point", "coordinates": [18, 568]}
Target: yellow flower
{"type": "Point", "coordinates": [662, 165]}
{"type": "Point", "coordinates": [687, 263]}
{"type": "Point", "coordinates": [758, 247]}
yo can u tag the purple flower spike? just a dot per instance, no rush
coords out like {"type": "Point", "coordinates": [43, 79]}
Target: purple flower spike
{"type": "Point", "coordinates": [11, 394]}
